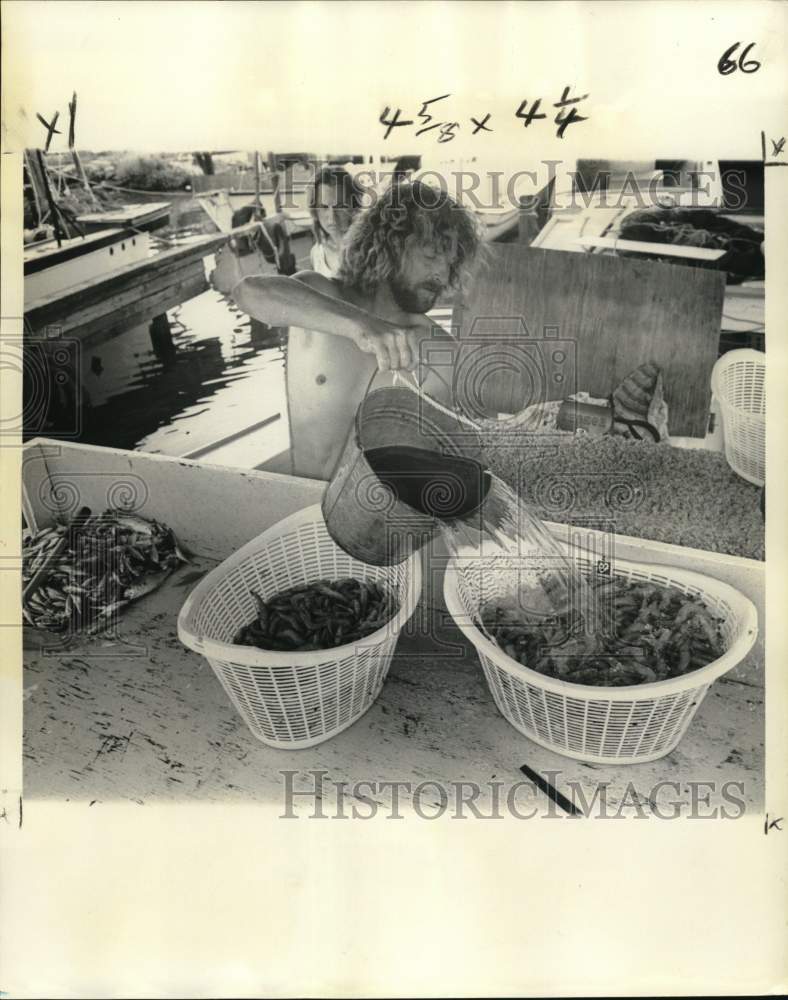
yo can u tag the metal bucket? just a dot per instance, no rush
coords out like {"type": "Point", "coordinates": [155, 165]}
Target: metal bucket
{"type": "Point", "coordinates": [364, 515]}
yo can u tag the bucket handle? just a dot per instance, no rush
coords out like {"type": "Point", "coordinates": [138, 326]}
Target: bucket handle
{"type": "Point", "coordinates": [416, 386]}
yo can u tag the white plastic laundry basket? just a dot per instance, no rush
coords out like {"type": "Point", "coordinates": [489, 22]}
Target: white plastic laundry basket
{"type": "Point", "coordinates": [738, 381]}
{"type": "Point", "coordinates": [293, 700]}
{"type": "Point", "coordinates": [616, 725]}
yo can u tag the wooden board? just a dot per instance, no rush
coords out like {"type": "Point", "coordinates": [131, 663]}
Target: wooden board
{"type": "Point", "coordinates": [537, 325]}
{"type": "Point", "coordinates": [190, 283]}
{"type": "Point", "coordinates": [151, 215]}
{"type": "Point", "coordinates": [639, 246]}
{"type": "Point", "coordinates": [133, 305]}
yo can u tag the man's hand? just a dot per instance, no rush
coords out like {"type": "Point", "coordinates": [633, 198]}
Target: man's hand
{"type": "Point", "coordinates": [228, 271]}
{"type": "Point", "coordinates": [233, 263]}
{"type": "Point", "coordinates": [395, 346]}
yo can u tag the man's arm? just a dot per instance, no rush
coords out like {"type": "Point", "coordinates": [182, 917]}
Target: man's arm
{"type": "Point", "coordinates": [314, 302]}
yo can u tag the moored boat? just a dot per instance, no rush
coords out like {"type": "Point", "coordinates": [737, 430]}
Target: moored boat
{"type": "Point", "coordinates": [141, 216]}
{"type": "Point", "coordinates": [49, 268]}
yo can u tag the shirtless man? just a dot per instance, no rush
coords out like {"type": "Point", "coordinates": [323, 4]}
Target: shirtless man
{"type": "Point", "coordinates": [352, 332]}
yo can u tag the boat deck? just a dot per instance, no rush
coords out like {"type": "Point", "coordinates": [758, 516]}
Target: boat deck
{"type": "Point", "coordinates": [139, 717]}
{"type": "Point", "coordinates": [152, 215]}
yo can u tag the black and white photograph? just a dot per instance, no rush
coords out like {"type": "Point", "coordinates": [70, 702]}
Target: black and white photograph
{"type": "Point", "coordinates": [390, 437]}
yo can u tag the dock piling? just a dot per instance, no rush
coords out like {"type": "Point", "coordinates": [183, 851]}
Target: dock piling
{"type": "Point", "coordinates": [161, 339]}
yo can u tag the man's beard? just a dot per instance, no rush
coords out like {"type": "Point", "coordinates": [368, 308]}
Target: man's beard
{"type": "Point", "coordinates": [414, 298]}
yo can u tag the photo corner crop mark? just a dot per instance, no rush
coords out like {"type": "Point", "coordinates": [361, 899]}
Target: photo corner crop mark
{"type": "Point", "coordinates": [8, 817]}
{"type": "Point", "coordinates": [773, 151]}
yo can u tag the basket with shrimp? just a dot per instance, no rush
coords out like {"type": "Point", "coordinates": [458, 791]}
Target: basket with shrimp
{"type": "Point", "coordinates": [619, 683]}
{"type": "Point", "coordinates": [299, 634]}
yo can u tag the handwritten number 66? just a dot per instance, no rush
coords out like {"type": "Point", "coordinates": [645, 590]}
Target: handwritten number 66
{"type": "Point", "coordinates": [727, 65]}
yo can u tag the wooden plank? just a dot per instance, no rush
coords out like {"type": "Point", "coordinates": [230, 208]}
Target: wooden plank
{"type": "Point", "coordinates": [104, 328]}
{"type": "Point", "coordinates": [206, 449]}
{"type": "Point", "coordinates": [83, 177]}
{"type": "Point", "coordinates": [93, 473]}
{"type": "Point", "coordinates": [126, 294]}
{"type": "Point", "coordinates": [594, 217]}
{"type": "Point", "coordinates": [564, 322]}
{"type": "Point", "coordinates": [127, 215]}
{"type": "Point", "coordinates": [744, 309]}
{"type": "Point", "coordinates": [137, 220]}
{"type": "Point", "coordinates": [749, 290]}
{"type": "Point", "coordinates": [103, 324]}
{"type": "Point", "coordinates": [126, 297]}
{"type": "Point", "coordinates": [36, 176]}
{"type": "Point", "coordinates": [49, 251]}
{"type": "Point", "coordinates": [95, 289]}
{"type": "Point", "coordinates": [639, 246]}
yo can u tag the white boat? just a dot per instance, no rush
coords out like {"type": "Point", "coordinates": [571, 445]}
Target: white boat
{"type": "Point", "coordinates": [49, 268]}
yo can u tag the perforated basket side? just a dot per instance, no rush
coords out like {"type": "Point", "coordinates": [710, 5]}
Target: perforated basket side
{"type": "Point", "coordinates": [293, 699]}
{"type": "Point", "coordinates": [618, 725]}
{"type": "Point", "coordinates": [739, 384]}
{"type": "Point", "coordinates": [620, 732]}
{"type": "Point", "coordinates": [303, 705]}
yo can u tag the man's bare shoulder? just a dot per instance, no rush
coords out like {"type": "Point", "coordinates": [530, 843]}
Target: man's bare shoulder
{"type": "Point", "coordinates": [319, 282]}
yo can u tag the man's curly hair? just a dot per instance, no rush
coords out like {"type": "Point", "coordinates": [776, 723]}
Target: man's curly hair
{"type": "Point", "coordinates": [375, 243]}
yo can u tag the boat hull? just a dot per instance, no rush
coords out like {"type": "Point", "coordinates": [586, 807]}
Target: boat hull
{"type": "Point", "coordinates": [50, 269]}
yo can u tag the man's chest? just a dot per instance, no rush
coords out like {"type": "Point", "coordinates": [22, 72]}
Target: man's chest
{"type": "Point", "coordinates": [324, 367]}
